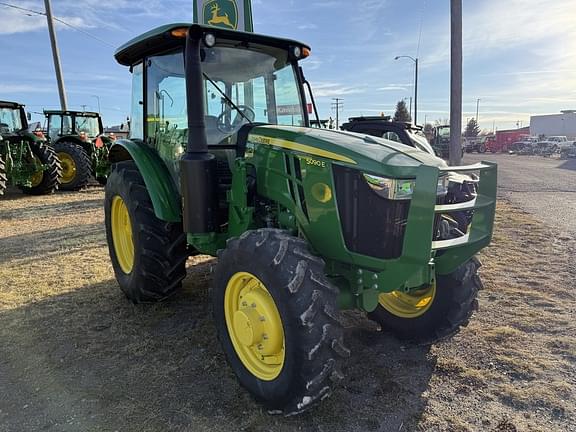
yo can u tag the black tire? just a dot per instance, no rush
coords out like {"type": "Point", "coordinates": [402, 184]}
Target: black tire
{"type": "Point", "coordinates": [51, 175]}
{"type": "Point", "coordinates": [160, 255]}
{"type": "Point", "coordinates": [481, 148]}
{"type": "Point", "coordinates": [306, 303]}
{"type": "Point", "coordinates": [82, 165]}
{"type": "Point", "coordinates": [453, 304]}
{"type": "Point", "coordinates": [3, 177]}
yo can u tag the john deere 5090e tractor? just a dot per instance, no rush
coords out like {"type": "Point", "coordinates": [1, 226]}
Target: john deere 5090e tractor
{"type": "Point", "coordinates": [304, 221]}
{"type": "Point", "coordinates": [77, 137]}
{"type": "Point", "coordinates": [25, 159]}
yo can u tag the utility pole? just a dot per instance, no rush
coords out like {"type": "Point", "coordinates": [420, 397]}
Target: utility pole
{"type": "Point", "coordinates": [415, 60]}
{"type": "Point", "coordinates": [411, 108]}
{"type": "Point", "coordinates": [477, 109]}
{"type": "Point", "coordinates": [337, 105]}
{"type": "Point", "coordinates": [416, 94]}
{"type": "Point", "coordinates": [56, 56]}
{"type": "Point", "coordinates": [456, 82]}
{"type": "Point", "coordinates": [98, 99]}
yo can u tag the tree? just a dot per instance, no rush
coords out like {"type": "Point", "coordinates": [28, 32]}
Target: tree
{"type": "Point", "coordinates": [472, 129]}
{"type": "Point", "coordinates": [402, 114]}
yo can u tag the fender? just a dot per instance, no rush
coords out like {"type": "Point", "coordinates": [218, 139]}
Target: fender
{"type": "Point", "coordinates": [163, 192]}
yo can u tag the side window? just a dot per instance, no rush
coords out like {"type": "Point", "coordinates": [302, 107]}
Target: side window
{"type": "Point", "coordinates": [392, 136]}
{"type": "Point", "coordinates": [166, 115]}
{"type": "Point", "coordinates": [54, 124]}
{"type": "Point", "coordinates": [137, 112]}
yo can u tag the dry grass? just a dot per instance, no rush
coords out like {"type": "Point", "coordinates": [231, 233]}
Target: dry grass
{"type": "Point", "coordinates": [75, 355]}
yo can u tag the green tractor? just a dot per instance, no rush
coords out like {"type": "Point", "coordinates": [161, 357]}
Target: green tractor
{"type": "Point", "coordinates": [304, 221]}
{"type": "Point", "coordinates": [25, 159]}
{"type": "Point", "coordinates": [78, 139]}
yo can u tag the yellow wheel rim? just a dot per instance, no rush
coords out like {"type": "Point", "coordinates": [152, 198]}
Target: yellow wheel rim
{"type": "Point", "coordinates": [37, 177]}
{"type": "Point", "coordinates": [68, 167]}
{"type": "Point", "coordinates": [122, 234]}
{"type": "Point", "coordinates": [254, 326]}
{"type": "Point", "coordinates": [408, 305]}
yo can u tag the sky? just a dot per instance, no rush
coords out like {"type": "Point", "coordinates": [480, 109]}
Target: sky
{"type": "Point", "coordinates": [519, 55]}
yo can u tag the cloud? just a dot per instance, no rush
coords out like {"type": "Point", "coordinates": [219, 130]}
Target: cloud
{"type": "Point", "coordinates": [321, 89]}
{"type": "Point", "coordinates": [19, 21]}
{"type": "Point", "coordinates": [24, 88]}
{"type": "Point", "coordinates": [395, 87]}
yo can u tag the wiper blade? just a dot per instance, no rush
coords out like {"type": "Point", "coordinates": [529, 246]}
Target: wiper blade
{"type": "Point", "coordinates": [230, 101]}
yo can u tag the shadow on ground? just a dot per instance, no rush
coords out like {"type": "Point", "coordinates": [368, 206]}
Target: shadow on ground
{"type": "Point", "coordinates": [89, 360]}
{"type": "Point", "coordinates": [570, 164]}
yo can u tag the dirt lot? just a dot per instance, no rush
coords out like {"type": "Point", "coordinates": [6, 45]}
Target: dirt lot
{"type": "Point", "coordinates": [76, 356]}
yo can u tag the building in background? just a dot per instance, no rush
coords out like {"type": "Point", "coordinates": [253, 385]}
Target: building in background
{"type": "Point", "coordinates": [563, 124]}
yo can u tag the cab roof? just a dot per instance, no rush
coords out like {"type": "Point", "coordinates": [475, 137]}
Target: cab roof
{"type": "Point", "coordinates": [13, 105]}
{"type": "Point", "coordinates": [161, 39]}
{"type": "Point", "coordinates": [72, 113]}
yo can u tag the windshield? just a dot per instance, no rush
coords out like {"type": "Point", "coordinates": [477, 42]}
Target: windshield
{"type": "Point", "coordinates": [10, 121]}
{"type": "Point", "coordinates": [89, 125]}
{"type": "Point", "coordinates": [444, 132]}
{"type": "Point", "coordinates": [240, 86]}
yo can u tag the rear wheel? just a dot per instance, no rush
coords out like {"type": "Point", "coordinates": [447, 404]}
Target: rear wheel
{"type": "Point", "coordinates": [46, 180]}
{"type": "Point", "coordinates": [76, 166]}
{"type": "Point", "coordinates": [482, 148]}
{"type": "Point", "coordinates": [277, 320]}
{"type": "Point", "coordinates": [3, 177]}
{"type": "Point", "coordinates": [433, 313]}
{"type": "Point", "coordinates": [148, 255]}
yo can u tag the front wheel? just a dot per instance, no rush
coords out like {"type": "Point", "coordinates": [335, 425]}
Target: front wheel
{"type": "Point", "coordinates": [76, 166]}
{"type": "Point", "coordinates": [277, 320]}
{"type": "Point", "coordinates": [148, 255]}
{"type": "Point", "coordinates": [433, 313]}
{"type": "Point", "coordinates": [44, 181]}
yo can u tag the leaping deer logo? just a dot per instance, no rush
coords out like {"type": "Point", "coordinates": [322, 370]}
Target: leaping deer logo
{"type": "Point", "coordinates": [219, 19]}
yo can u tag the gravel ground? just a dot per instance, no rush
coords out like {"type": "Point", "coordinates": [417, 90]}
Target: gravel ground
{"type": "Point", "coordinates": [76, 356]}
{"type": "Point", "coordinates": [544, 187]}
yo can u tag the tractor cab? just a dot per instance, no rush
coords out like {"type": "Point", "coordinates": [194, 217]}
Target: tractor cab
{"type": "Point", "coordinates": [13, 121]}
{"type": "Point", "coordinates": [85, 126]}
{"type": "Point", "coordinates": [244, 80]}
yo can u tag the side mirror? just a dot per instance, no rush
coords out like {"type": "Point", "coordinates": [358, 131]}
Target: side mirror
{"type": "Point", "coordinates": [29, 116]}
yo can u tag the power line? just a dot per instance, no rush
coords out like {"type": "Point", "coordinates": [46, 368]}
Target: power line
{"type": "Point", "coordinates": [421, 25]}
{"type": "Point", "coordinates": [30, 11]}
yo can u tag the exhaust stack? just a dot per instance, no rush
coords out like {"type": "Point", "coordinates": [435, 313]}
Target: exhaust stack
{"type": "Point", "coordinates": [198, 165]}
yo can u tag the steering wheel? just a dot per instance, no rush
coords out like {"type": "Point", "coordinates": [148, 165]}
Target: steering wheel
{"type": "Point", "coordinates": [238, 121]}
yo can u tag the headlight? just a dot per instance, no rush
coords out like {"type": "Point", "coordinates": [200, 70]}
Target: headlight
{"type": "Point", "coordinates": [400, 189]}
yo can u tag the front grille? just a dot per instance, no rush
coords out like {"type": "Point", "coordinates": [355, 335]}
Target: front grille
{"type": "Point", "coordinates": [371, 225]}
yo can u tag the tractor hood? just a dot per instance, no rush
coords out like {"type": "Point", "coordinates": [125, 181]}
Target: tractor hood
{"type": "Point", "coordinates": [367, 153]}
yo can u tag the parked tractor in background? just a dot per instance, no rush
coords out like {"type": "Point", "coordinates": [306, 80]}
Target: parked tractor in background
{"type": "Point", "coordinates": [25, 159]}
{"type": "Point", "coordinates": [401, 132]}
{"type": "Point", "coordinates": [440, 141]}
{"type": "Point", "coordinates": [222, 161]}
{"type": "Point", "coordinates": [78, 139]}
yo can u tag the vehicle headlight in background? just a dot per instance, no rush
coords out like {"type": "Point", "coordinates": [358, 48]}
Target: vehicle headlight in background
{"type": "Point", "coordinates": [400, 189]}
